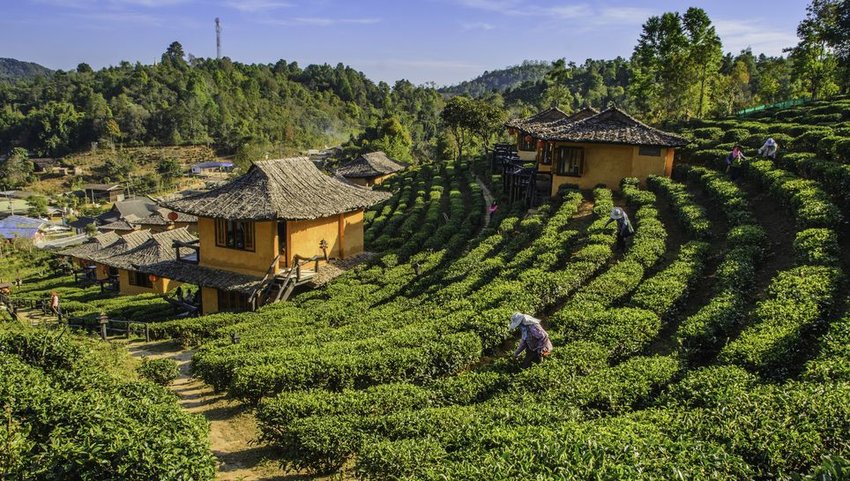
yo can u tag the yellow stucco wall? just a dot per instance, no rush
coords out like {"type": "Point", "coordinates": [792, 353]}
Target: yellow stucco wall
{"type": "Point", "coordinates": [160, 286]}
{"type": "Point", "coordinates": [380, 179]}
{"type": "Point", "coordinates": [609, 164]}
{"type": "Point", "coordinates": [353, 233]}
{"type": "Point", "coordinates": [101, 271]}
{"type": "Point", "coordinates": [360, 181]}
{"type": "Point", "coordinates": [209, 300]}
{"type": "Point", "coordinates": [305, 236]}
{"type": "Point", "coordinates": [254, 263]}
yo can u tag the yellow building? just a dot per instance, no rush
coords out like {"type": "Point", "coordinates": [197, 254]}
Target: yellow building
{"type": "Point", "coordinates": [267, 231]}
{"type": "Point", "coordinates": [589, 149]}
{"type": "Point", "coordinates": [523, 129]}
{"type": "Point", "coordinates": [156, 248]}
{"type": "Point", "coordinates": [370, 169]}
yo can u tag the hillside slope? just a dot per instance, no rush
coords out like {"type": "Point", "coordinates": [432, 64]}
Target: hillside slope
{"type": "Point", "coordinates": [501, 79]}
{"type": "Point", "coordinates": [12, 69]}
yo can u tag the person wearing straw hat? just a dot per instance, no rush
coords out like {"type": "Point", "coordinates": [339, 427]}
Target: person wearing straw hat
{"type": "Point", "coordinates": [534, 339]}
{"type": "Point", "coordinates": [624, 226]}
{"type": "Point", "coordinates": [769, 149]}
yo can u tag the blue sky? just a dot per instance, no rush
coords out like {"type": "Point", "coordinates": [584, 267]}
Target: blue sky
{"type": "Point", "coordinates": [444, 41]}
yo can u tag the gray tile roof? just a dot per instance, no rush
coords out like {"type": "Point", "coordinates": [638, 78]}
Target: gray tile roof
{"type": "Point", "coordinates": [373, 164]}
{"type": "Point", "coordinates": [292, 188]}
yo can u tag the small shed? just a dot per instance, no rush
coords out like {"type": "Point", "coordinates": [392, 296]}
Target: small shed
{"type": "Point", "coordinates": [213, 166]}
{"type": "Point", "coordinates": [370, 169]}
{"type": "Point", "coordinates": [95, 193]}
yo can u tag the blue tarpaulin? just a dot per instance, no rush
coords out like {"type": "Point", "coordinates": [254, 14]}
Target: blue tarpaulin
{"type": "Point", "coordinates": [18, 226]}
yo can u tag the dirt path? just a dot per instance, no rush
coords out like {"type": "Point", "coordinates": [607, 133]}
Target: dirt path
{"type": "Point", "coordinates": [233, 428]}
{"type": "Point", "coordinates": [781, 231]}
{"type": "Point", "coordinates": [488, 199]}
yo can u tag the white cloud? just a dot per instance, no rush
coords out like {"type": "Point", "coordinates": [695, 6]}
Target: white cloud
{"type": "Point", "coordinates": [322, 21]}
{"type": "Point", "coordinates": [253, 6]}
{"type": "Point", "coordinates": [478, 26]}
{"type": "Point", "coordinates": [737, 35]}
{"type": "Point", "coordinates": [109, 4]}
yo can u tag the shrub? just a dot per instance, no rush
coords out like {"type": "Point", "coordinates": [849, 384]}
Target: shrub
{"type": "Point", "coordinates": [817, 246]}
{"type": "Point", "coordinates": [159, 371]}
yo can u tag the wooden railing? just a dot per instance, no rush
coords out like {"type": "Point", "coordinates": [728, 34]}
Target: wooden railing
{"type": "Point", "coordinates": [270, 272]}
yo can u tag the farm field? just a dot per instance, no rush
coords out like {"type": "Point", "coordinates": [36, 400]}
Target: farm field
{"type": "Point", "coordinates": [727, 309]}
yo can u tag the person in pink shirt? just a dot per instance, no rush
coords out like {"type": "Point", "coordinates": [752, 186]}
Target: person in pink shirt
{"type": "Point", "coordinates": [534, 339]}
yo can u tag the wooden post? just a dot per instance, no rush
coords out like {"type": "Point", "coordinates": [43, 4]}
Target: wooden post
{"type": "Point", "coordinates": [127, 335]}
{"type": "Point", "coordinates": [103, 321]}
{"type": "Point", "coordinates": [147, 333]}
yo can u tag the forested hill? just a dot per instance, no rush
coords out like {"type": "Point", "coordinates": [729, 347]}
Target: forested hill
{"type": "Point", "coordinates": [279, 107]}
{"type": "Point", "coordinates": [531, 71]}
{"type": "Point", "coordinates": [11, 69]}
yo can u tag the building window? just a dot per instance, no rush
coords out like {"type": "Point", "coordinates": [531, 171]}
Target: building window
{"type": "Point", "coordinates": [546, 153]}
{"type": "Point", "coordinates": [650, 151]}
{"type": "Point", "coordinates": [527, 143]}
{"type": "Point", "coordinates": [234, 234]}
{"type": "Point", "coordinates": [140, 279]}
{"type": "Point", "coordinates": [232, 301]}
{"type": "Point", "coordinates": [570, 161]}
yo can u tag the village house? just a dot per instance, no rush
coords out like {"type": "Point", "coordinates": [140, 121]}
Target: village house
{"type": "Point", "coordinates": [370, 169]}
{"type": "Point", "coordinates": [212, 167]}
{"type": "Point", "coordinates": [588, 149]}
{"type": "Point", "coordinates": [156, 248]}
{"type": "Point", "coordinates": [143, 213]}
{"type": "Point", "coordinates": [266, 232]}
{"type": "Point", "coordinates": [22, 227]}
{"type": "Point", "coordinates": [92, 255]}
{"type": "Point", "coordinates": [102, 193]}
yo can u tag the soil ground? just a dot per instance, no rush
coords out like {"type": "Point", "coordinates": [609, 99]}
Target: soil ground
{"type": "Point", "coordinates": [233, 428]}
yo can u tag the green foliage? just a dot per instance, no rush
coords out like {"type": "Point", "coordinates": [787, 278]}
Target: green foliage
{"type": "Point", "coordinates": [67, 417]}
{"type": "Point", "coordinates": [159, 371]}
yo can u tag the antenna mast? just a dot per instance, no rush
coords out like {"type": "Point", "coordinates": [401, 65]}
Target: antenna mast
{"type": "Point", "coordinates": [217, 38]}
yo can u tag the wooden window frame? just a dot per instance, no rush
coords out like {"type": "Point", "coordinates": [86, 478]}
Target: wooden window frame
{"type": "Point", "coordinates": [226, 234]}
{"type": "Point", "coordinates": [229, 301]}
{"type": "Point", "coordinates": [645, 148]}
{"type": "Point", "coordinates": [140, 279]}
{"type": "Point", "coordinates": [526, 147]}
{"type": "Point", "coordinates": [569, 155]}
{"type": "Point", "coordinates": [547, 153]}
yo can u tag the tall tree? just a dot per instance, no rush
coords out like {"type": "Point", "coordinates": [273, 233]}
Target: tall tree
{"type": "Point", "coordinates": [705, 53]}
{"type": "Point", "coordinates": [814, 59]}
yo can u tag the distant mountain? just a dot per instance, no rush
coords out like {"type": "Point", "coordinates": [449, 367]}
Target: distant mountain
{"type": "Point", "coordinates": [502, 79]}
{"type": "Point", "coordinates": [11, 69]}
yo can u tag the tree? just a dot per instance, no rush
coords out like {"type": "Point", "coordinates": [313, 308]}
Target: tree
{"type": "Point", "coordinates": [174, 55]}
{"type": "Point", "coordinates": [169, 169]}
{"type": "Point", "coordinates": [814, 61]}
{"type": "Point", "coordinates": [704, 53]}
{"type": "Point", "coordinates": [557, 93]}
{"type": "Point", "coordinates": [16, 170]}
{"type": "Point", "coordinates": [91, 229]}
{"type": "Point", "coordinates": [455, 116]}
{"type": "Point", "coordinates": [394, 139]}
{"type": "Point", "coordinates": [466, 117]}
{"type": "Point", "coordinates": [37, 206]}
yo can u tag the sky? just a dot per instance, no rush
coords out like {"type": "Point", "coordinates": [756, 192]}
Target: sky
{"type": "Point", "coordinates": [440, 41]}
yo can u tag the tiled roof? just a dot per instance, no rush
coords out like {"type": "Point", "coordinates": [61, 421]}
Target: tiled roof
{"type": "Point", "coordinates": [157, 248]}
{"type": "Point", "coordinates": [292, 188]}
{"type": "Point", "coordinates": [372, 164]}
{"type": "Point", "coordinates": [612, 126]}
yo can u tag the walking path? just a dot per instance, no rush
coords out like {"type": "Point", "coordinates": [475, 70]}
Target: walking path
{"type": "Point", "coordinates": [233, 428]}
{"type": "Point", "coordinates": [488, 199]}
